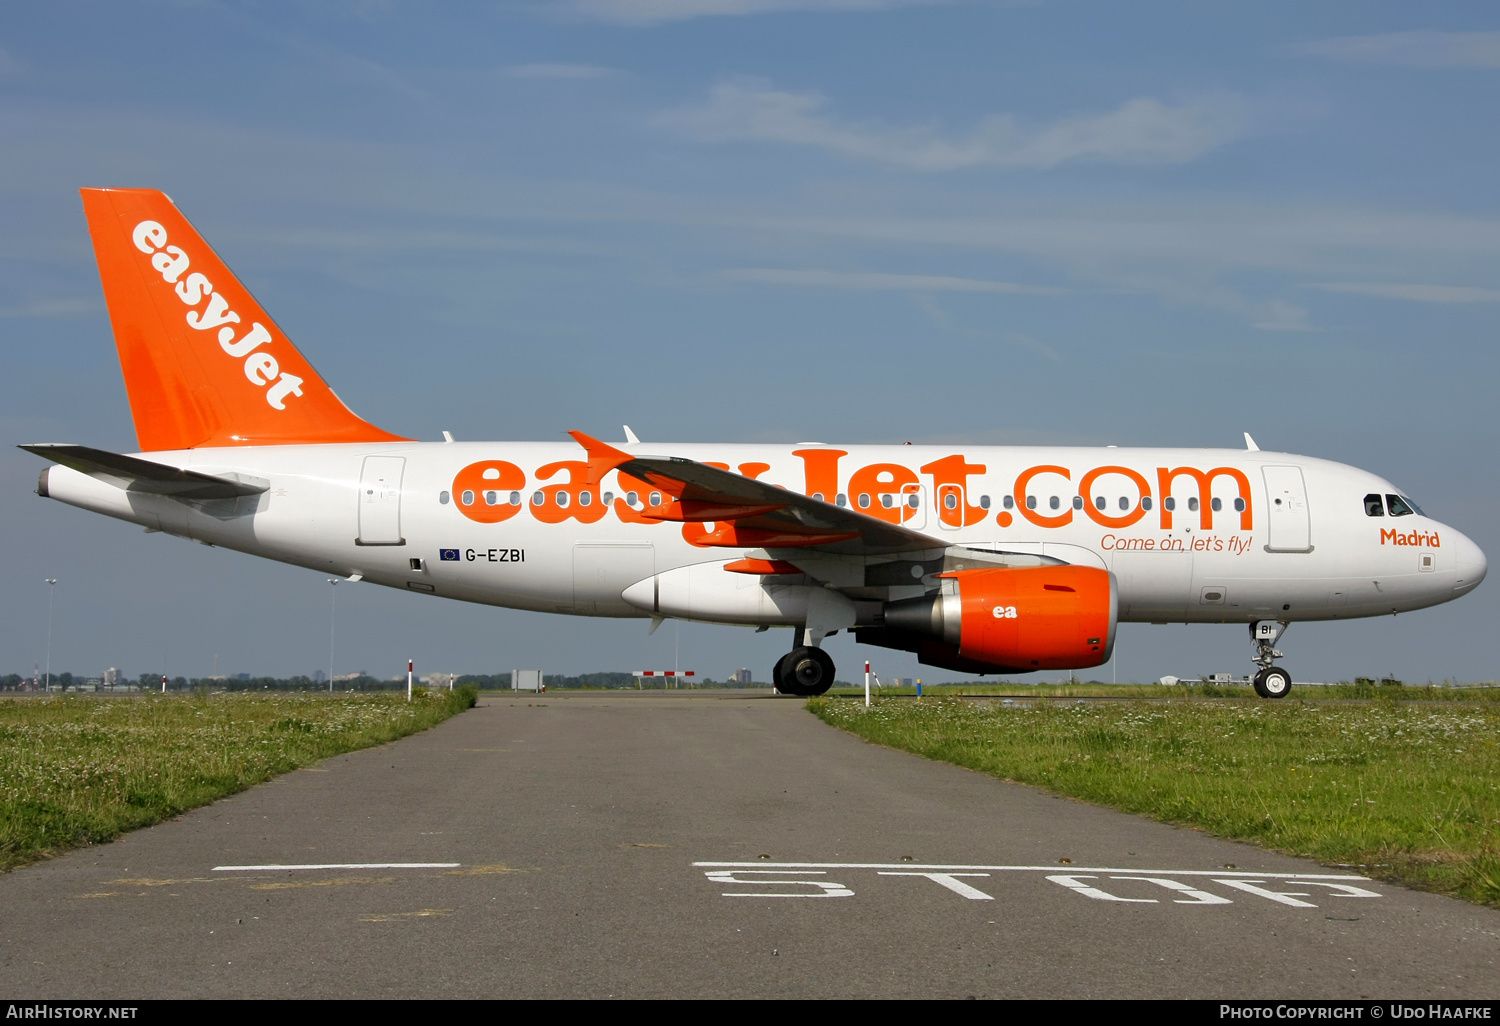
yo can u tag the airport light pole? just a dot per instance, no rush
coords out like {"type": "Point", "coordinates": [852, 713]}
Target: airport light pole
{"type": "Point", "coordinates": [51, 587]}
{"type": "Point", "coordinates": [333, 598]}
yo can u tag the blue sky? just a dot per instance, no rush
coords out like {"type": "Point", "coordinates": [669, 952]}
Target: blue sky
{"type": "Point", "coordinates": [855, 220]}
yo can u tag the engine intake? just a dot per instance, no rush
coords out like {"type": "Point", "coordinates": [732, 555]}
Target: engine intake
{"type": "Point", "coordinates": [1008, 620]}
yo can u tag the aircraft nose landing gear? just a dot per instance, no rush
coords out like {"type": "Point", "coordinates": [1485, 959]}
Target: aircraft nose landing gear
{"type": "Point", "coordinates": [1272, 681]}
{"type": "Point", "coordinates": [804, 671]}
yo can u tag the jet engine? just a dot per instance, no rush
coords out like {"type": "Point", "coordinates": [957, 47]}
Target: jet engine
{"type": "Point", "coordinates": [1007, 620]}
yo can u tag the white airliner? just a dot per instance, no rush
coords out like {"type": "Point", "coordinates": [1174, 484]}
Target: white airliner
{"type": "Point", "coordinates": [993, 559]}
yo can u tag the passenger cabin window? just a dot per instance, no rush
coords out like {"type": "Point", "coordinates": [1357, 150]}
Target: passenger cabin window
{"type": "Point", "coordinates": [1216, 505]}
{"type": "Point", "coordinates": [914, 500]}
{"type": "Point", "coordinates": [1099, 502]}
{"type": "Point", "coordinates": [1008, 502]}
{"type": "Point", "coordinates": [1398, 506]}
{"type": "Point", "coordinates": [631, 498]}
{"type": "Point", "coordinates": [1054, 502]}
{"type": "Point", "coordinates": [950, 501]}
{"type": "Point", "coordinates": [1239, 505]}
{"type": "Point", "coordinates": [1170, 503]}
{"type": "Point", "coordinates": [1373, 508]}
{"type": "Point", "coordinates": [1031, 502]}
{"type": "Point", "coordinates": [840, 500]}
{"type": "Point", "coordinates": [864, 500]}
{"type": "Point", "coordinates": [443, 498]}
{"type": "Point", "coordinates": [984, 502]}
{"type": "Point", "coordinates": [1193, 503]}
{"type": "Point", "coordinates": [1078, 502]}
{"type": "Point", "coordinates": [1146, 502]}
{"type": "Point", "coordinates": [537, 498]}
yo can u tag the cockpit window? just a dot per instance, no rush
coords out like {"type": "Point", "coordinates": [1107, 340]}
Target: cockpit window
{"type": "Point", "coordinates": [1415, 508]}
{"type": "Point", "coordinates": [1373, 508]}
{"type": "Point", "coordinates": [1398, 506]}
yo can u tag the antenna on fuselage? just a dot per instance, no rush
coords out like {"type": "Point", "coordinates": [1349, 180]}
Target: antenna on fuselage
{"type": "Point", "coordinates": [1250, 443]}
{"type": "Point", "coordinates": [630, 438]}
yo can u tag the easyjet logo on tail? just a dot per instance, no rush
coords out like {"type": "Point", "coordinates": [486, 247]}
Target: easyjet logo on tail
{"type": "Point", "coordinates": [261, 368]}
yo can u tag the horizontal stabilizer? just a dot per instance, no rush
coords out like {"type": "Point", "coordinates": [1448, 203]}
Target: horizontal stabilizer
{"type": "Point", "coordinates": [139, 475]}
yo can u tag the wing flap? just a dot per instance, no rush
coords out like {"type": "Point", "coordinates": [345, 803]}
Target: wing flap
{"type": "Point", "coordinates": [787, 520]}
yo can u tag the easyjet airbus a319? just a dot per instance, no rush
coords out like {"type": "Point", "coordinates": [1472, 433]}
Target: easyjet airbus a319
{"type": "Point", "coordinates": [978, 559]}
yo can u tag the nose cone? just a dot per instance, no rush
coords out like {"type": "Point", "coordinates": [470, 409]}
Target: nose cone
{"type": "Point", "coordinates": [1470, 564]}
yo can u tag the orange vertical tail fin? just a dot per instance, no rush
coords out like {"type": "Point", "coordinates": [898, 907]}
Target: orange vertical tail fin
{"type": "Point", "coordinates": [204, 365]}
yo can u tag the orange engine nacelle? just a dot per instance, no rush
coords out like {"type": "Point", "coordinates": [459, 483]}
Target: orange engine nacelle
{"type": "Point", "coordinates": [1010, 620]}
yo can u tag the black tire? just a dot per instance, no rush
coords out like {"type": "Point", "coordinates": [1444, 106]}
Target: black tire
{"type": "Point", "coordinates": [1258, 683]}
{"type": "Point", "coordinates": [1275, 682]}
{"type": "Point", "coordinates": [804, 672]}
{"type": "Point", "coordinates": [781, 676]}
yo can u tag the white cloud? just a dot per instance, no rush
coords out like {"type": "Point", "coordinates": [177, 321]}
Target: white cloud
{"type": "Point", "coordinates": [1416, 49]}
{"type": "Point", "coordinates": [1414, 293]}
{"type": "Point", "coordinates": [557, 71]}
{"type": "Point", "coordinates": [869, 281]}
{"type": "Point", "coordinates": [1142, 131]}
{"type": "Point", "coordinates": [1035, 345]}
{"type": "Point", "coordinates": [647, 11]}
{"type": "Point", "coordinates": [1278, 315]}
{"type": "Point", "coordinates": [51, 308]}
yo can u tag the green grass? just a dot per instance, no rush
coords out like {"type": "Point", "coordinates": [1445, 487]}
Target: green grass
{"type": "Point", "coordinates": [82, 770]}
{"type": "Point", "coordinates": [1400, 791]}
{"type": "Point", "coordinates": [1345, 689]}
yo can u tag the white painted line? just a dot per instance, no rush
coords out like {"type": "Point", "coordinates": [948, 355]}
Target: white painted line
{"type": "Point", "coordinates": [1194, 896]}
{"type": "Point", "coordinates": [349, 865]}
{"type": "Point", "coordinates": [952, 882]}
{"type": "Point", "coordinates": [918, 867]}
{"type": "Point", "coordinates": [828, 889]}
{"type": "Point", "coordinates": [1074, 882]}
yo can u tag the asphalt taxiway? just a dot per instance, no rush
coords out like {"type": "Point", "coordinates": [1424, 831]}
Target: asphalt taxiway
{"type": "Point", "coordinates": [700, 844]}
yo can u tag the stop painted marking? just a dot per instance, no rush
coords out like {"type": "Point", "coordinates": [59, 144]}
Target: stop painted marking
{"type": "Point", "coordinates": [1182, 886]}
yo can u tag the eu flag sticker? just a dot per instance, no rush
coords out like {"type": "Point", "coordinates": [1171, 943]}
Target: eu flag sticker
{"type": "Point", "coordinates": [448, 555]}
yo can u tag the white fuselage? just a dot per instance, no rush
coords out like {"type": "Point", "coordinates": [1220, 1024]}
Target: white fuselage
{"type": "Point", "coordinates": [1291, 538]}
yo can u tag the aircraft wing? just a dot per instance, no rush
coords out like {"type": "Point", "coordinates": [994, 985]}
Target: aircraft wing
{"type": "Point", "coordinates": [138, 475]}
{"type": "Point", "coordinates": [745, 513]}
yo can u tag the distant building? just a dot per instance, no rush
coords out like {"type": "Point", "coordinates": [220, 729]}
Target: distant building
{"type": "Point", "coordinates": [742, 677]}
{"type": "Point", "coordinates": [111, 677]}
{"type": "Point", "coordinates": [905, 682]}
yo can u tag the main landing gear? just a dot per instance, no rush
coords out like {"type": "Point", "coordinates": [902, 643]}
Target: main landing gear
{"type": "Point", "coordinates": [1271, 681]}
{"type": "Point", "coordinates": [805, 671]}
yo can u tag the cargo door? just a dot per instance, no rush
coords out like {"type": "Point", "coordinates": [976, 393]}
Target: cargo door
{"type": "Point", "coordinates": [1287, 524]}
{"type": "Point", "coordinates": [380, 501]}
{"type": "Point", "coordinates": [602, 570]}
{"type": "Point", "coordinates": [1156, 585]}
